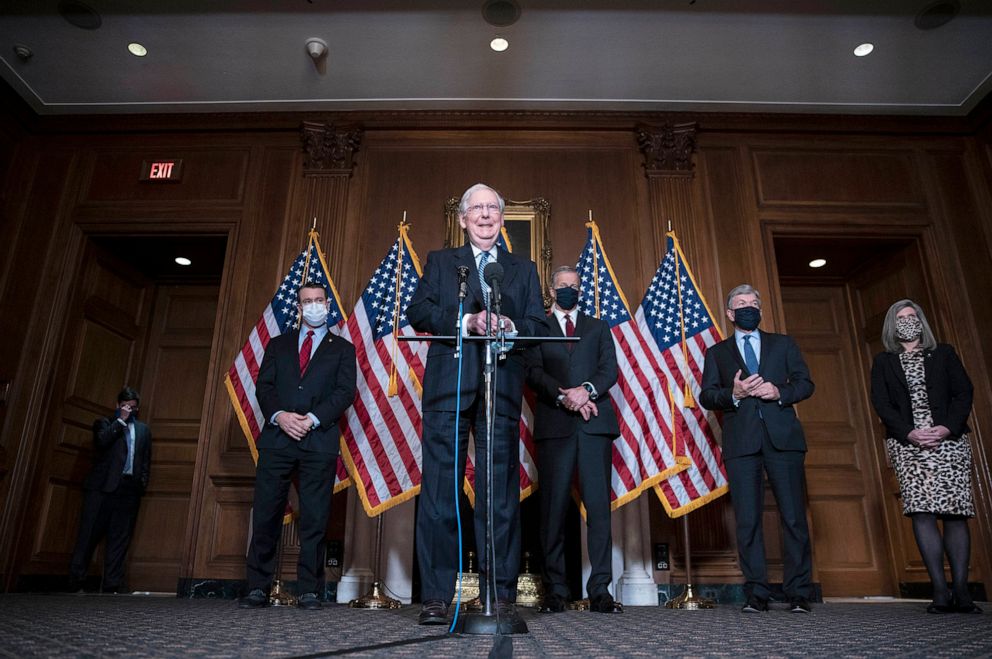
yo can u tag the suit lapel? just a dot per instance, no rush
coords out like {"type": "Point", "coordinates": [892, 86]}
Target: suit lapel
{"type": "Point", "coordinates": [895, 364]}
{"type": "Point", "coordinates": [735, 351]}
{"type": "Point", "coordinates": [319, 353]}
{"type": "Point", "coordinates": [509, 264]}
{"type": "Point", "coordinates": [766, 346]}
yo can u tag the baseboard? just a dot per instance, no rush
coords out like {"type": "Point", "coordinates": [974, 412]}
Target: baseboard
{"type": "Point", "coordinates": [726, 593]}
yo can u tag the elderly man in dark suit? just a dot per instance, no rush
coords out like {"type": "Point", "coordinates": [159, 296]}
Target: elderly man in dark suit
{"type": "Point", "coordinates": [114, 486]}
{"type": "Point", "coordinates": [305, 383]}
{"type": "Point", "coordinates": [434, 309]}
{"type": "Point", "coordinates": [575, 425]}
{"type": "Point", "coordinates": [755, 378]}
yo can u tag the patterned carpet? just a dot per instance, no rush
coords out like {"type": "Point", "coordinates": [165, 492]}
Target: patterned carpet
{"type": "Point", "coordinates": [140, 626]}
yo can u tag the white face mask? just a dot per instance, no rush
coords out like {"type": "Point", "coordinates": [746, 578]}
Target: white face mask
{"type": "Point", "coordinates": [315, 313]}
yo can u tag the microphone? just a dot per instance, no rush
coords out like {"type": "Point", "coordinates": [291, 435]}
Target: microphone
{"type": "Point", "coordinates": [493, 275]}
{"type": "Point", "coordinates": [462, 282]}
{"type": "Point", "coordinates": [493, 272]}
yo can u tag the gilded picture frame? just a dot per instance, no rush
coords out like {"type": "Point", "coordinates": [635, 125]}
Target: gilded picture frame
{"type": "Point", "coordinates": [526, 224]}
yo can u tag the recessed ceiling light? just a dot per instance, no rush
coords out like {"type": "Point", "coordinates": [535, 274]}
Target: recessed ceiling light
{"type": "Point", "coordinates": [137, 49]}
{"type": "Point", "coordinates": [182, 260]}
{"type": "Point", "coordinates": [864, 49]}
{"type": "Point", "coordinates": [817, 263]}
{"type": "Point", "coordinates": [499, 44]}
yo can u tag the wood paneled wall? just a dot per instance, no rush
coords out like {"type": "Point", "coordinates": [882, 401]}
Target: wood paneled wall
{"type": "Point", "coordinates": [739, 183]}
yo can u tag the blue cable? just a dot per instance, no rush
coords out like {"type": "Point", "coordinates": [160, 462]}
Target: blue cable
{"type": "Point", "coordinates": [458, 508]}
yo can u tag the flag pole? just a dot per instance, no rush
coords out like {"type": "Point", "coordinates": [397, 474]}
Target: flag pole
{"type": "Point", "coordinates": [688, 600]}
{"type": "Point", "coordinates": [376, 598]}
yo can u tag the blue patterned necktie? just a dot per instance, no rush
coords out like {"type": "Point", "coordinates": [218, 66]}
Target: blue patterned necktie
{"type": "Point", "coordinates": [750, 359]}
{"type": "Point", "coordinates": [483, 260]}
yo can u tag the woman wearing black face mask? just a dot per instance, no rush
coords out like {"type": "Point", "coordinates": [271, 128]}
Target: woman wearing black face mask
{"type": "Point", "coordinates": [923, 395]}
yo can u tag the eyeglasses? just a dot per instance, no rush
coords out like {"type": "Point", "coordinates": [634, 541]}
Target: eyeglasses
{"type": "Point", "coordinates": [477, 209]}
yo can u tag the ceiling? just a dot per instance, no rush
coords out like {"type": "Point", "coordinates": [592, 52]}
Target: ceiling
{"type": "Point", "coordinates": [639, 55]}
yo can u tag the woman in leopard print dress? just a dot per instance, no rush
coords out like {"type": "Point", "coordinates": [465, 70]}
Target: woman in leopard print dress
{"type": "Point", "coordinates": [923, 395]}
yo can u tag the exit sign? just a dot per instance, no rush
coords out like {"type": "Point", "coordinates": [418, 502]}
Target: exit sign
{"type": "Point", "coordinates": [161, 170]}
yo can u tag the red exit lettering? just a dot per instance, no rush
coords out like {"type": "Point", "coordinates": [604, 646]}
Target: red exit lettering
{"type": "Point", "coordinates": [160, 170]}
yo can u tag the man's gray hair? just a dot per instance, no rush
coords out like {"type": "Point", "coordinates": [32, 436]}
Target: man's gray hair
{"type": "Point", "coordinates": [889, 337]}
{"type": "Point", "coordinates": [463, 204]}
{"type": "Point", "coordinates": [743, 289]}
{"type": "Point", "coordinates": [560, 269]}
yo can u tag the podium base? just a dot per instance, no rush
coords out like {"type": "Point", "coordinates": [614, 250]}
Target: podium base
{"type": "Point", "coordinates": [480, 623]}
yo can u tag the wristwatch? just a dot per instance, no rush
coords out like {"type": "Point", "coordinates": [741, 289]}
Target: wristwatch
{"type": "Point", "coordinates": [592, 392]}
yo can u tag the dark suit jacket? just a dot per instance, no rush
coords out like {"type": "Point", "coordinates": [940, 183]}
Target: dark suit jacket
{"type": "Point", "coordinates": [948, 389]}
{"type": "Point", "coordinates": [434, 309]}
{"type": "Point", "coordinates": [111, 453]}
{"type": "Point", "coordinates": [327, 389]}
{"type": "Point", "coordinates": [552, 365]}
{"type": "Point", "coordinates": [781, 363]}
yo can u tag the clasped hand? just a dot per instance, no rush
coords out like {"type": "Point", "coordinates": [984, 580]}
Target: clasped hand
{"type": "Point", "coordinates": [477, 323]}
{"type": "Point", "coordinates": [295, 425]}
{"type": "Point", "coordinates": [754, 385]}
{"type": "Point", "coordinates": [929, 438]}
{"type": "Point", "coordinates": [576, 399]}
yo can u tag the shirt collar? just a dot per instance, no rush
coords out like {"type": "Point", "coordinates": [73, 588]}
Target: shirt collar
{"type": "Point", "coordinates": [476, 251]}
{"type": "Point", "coordinates": [560, 315]}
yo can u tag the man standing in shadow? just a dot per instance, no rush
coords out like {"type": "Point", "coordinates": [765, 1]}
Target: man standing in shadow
{"type": "Point", "coordinates": [113, 489]}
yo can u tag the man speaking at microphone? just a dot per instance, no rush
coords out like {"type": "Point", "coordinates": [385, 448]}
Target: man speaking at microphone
{"type": "Point", "coordinates": [434, 309]}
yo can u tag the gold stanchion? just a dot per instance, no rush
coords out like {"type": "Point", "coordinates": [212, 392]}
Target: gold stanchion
{"type": "Point", "coordinates": [277, 597]}
{"type": "Point", "coordinates": [376, 598]}
{"type": "Point", "coordinates": [470, 586]}
{"type": "Point", "coordinates": [530, 590]}
{"type": "Point", "coordinates": [689, 600]}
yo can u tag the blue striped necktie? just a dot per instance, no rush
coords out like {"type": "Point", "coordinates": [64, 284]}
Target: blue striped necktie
{"type": "Point", "coordinates": [483, 260]}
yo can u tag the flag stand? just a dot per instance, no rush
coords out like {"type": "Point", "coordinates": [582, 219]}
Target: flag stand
{"type": "Point", "coordinates": [376, 598]}
{"type": "Point", "coordinates": [278, 597]}
{"type": "Point", "coordinates": [689, 600]}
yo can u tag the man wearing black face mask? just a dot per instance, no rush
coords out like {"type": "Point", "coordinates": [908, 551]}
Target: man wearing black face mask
{"type": "Point", "coordinates": [113, 489]}
{"type": "Point", "coordinates": [575, 426]}
{"type": "Point", "coordinates": [755, 378]}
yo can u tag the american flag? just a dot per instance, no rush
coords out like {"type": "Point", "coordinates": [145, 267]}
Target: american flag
{"type": "Point", "coordinates": [281, 315]}
{"type": "Point", "coordinates": [381, 431]}
{"type": "Point", "coordinates": [527, 451]}
{"type": "Point", "coordinates": [642, 455]}
{"type": "Point", "coordinates": [680, 328]}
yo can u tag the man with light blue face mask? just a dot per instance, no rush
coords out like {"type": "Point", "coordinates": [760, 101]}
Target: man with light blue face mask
{"type": "Point", "coordinates": [305, 383]}
{"type": "Point", "coordinates": [755, 378]}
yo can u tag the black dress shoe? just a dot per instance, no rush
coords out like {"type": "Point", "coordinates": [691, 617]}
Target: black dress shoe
{"type": "Point", "coordinates": [256, 599]}
{"type": "Point", "coordinates": [799, 605]}
{"type": "Point", "coordinates": [605, 604]}
{"type": "Point", "coordinates": [755, 604]}
{"type": "Point", "coordinates": [506, 609]}
{"type": "Point", "coordinates": [433, 612]}
{"type": "Point", "coordinates": [970, 607]}
{"type": "Point", "coordinates": [308, 602]}
{"type": "Point", "coordinates": [552, 603]}
{"type": "Point", "coordinates": [933, 607]}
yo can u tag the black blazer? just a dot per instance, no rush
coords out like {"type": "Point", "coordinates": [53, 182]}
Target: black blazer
{"type": "Point", "coordinates": [434, 309]}
{"type": "Point", "coordinates": [111, 454]}
{"type": "Point", "coordinates": [948, 389]}
{"type": "Point", "coordinates": [782, 364]}
{"type": "Point", "coordinates": [327, 389]}
{"type": "Point", "coordinates": [552, 365]}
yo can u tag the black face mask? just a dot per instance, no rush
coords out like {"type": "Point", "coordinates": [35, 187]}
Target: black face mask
{"type": "Point", "coordinates": [747, 318]}
{"type": "Point", "coordinates": [567, 297]}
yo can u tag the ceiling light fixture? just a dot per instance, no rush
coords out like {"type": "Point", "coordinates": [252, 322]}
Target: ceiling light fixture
{"type": "Point", "coordinates": [499, 44]}
{"type": "Point", "coordinates": [864, 49]}
{"type": "Point", "coordinates": [137, 49]}
{"type": "Point", "coordinates": [182, 260]}
{"type": "Point", "coordinates": [817, 263]}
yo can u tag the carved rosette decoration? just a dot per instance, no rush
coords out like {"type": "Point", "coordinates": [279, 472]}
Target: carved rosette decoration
{"type": "Point", "coordinates": [328, 151]}
{"type": "Point", "coordinates": [668, 148]}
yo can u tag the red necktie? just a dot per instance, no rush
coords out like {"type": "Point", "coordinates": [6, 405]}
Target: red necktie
{"type": "Point", "coordinates": [569, 330]}
{"type": "Point", "coordinates": [305, 350]}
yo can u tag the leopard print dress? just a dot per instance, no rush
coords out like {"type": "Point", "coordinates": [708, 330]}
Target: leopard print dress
{"type": "Point", "coordinates": [930, 480]}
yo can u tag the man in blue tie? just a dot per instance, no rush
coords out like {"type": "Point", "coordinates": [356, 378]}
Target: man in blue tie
{"type": "Point", "coordinates": [755, 378]}
{"type": "Point", "coordinates": [434, 309]}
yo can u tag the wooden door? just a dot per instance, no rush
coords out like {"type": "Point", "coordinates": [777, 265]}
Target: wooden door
{"type": "Point", "coordinates": [101, 351]}
{"type": "Point", "coordinates": [850, 544]}
{"type": "Point", "coordinates": [173, 382]}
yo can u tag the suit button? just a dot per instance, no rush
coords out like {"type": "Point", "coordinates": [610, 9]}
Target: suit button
{"type": "Point", "coordinates": [300, 388]}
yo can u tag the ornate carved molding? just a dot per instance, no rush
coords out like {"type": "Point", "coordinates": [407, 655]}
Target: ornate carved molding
{"type": "Point", "coordinates": [668, 148]}
{"type": "Point", "coordinates": [328, 151]}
